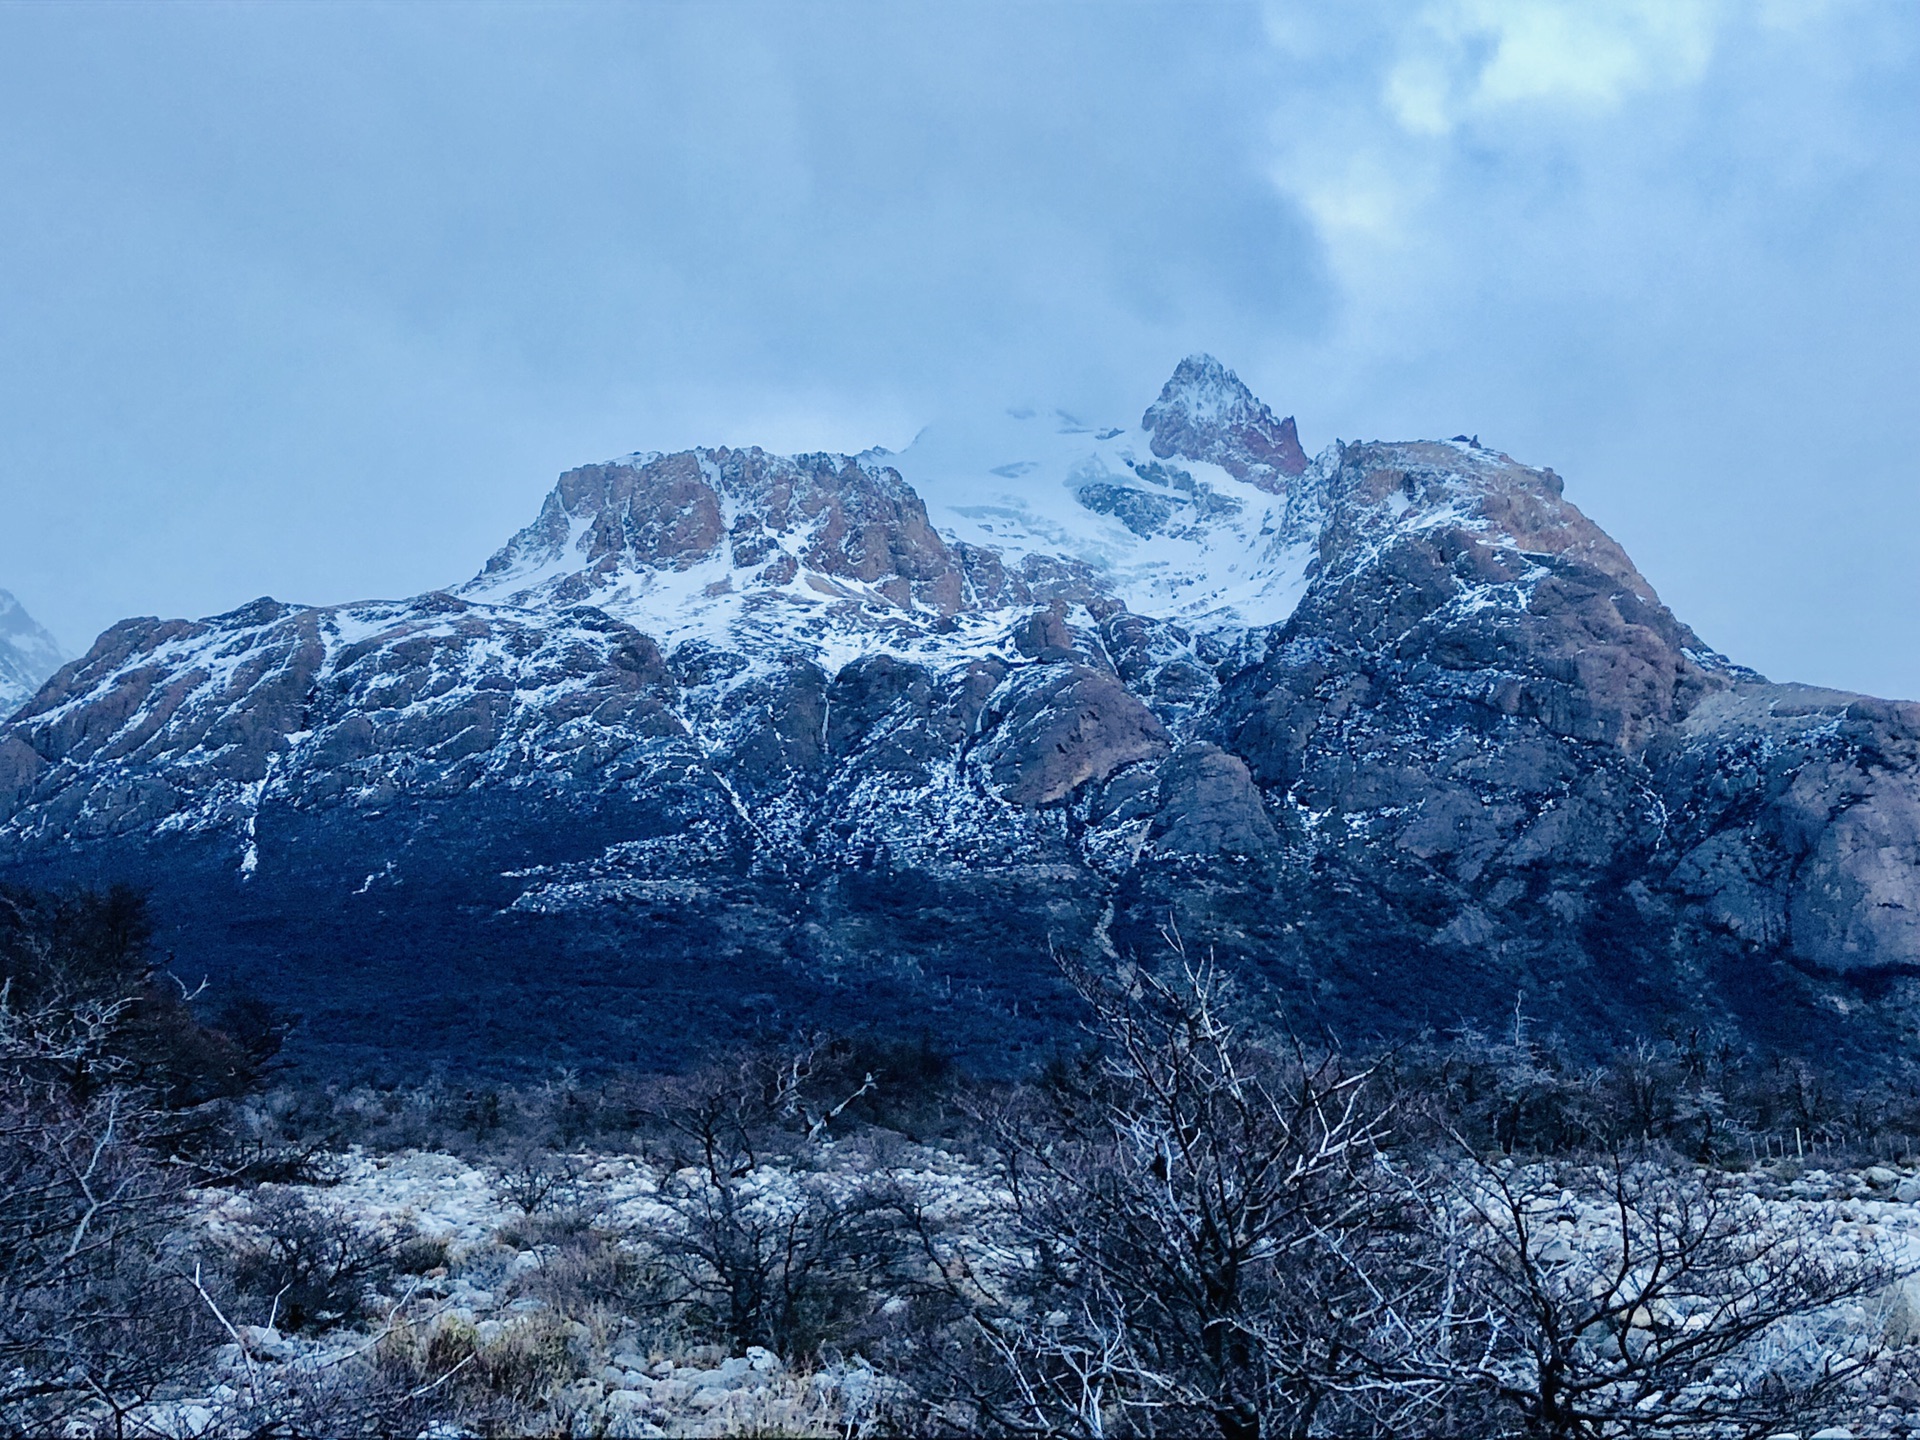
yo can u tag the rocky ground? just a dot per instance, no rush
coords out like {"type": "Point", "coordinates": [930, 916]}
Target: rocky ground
{"type": "Point", "coordinates": [499, 1295]}
{"type": "Point", "coordinates": [492, 1291]}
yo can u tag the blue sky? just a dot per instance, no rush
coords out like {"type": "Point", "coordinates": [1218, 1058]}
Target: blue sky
{"type": "Point", "coordinates": [316, 300]}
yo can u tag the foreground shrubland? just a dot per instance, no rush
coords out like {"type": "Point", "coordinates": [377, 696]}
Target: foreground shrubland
{"type": "Point", "coordinates": [1191, 1224]}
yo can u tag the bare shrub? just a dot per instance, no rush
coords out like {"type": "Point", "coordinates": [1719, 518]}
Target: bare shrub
{"type": "Point", "coordinates": [94, 1308]}
{"type": "Point", "coordinates": [1215, 1233]}
{"type": "Point", "coordinates": [1708, 1098]}
{"type": "Point", "coordinates": [783, 1255]}
{"type": "Point", "coordinates": [1199, 1210]}
{"type": "Point", "coordinates": [307, 1266]}
{"type": "Point", "coordinates": [788, 1266]}
{"type": "Point", "coordinates": [280, 1137]}
{"type": "Point", "coordinates": [1640, 1295]}
{"type": "Point", "coordinates": [534, 1179]}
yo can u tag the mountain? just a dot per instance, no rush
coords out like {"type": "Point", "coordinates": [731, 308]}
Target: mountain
{"type": "Point", "coordinates": [28, 655]}
{"type": "Point", "coordinates": [727, 740]}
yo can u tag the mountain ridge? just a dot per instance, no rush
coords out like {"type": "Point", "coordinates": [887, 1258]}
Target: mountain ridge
{"type": "Point", "coordinates": [1397, 731]}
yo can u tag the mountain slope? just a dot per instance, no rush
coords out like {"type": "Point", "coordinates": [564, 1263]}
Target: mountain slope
{"type": "Point", "coordinates": [28, 655]}
{"type": "Point", "coordinates": [726, 740]}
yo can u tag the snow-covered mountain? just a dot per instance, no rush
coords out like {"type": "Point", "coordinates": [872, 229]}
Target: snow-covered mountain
{"type": "Point", "coordinates": [28, 655]}
{"type": "Point", "coordinates": [1207, 515]}
{"type": "Point", "coordinates": [735, 739]}
{"type": "Point", "coordinates": [1199, 514]}
{"type": "Point", "coordinates": [937, 550]}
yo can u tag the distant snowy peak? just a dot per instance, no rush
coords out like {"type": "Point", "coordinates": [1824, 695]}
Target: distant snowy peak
{"type": "Point", "coordinates": [1206, 413]}
{"type": "Point", "coordinates": [28, 655]}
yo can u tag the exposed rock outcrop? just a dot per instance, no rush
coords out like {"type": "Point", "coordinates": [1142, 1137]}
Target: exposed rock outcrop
{"type": "Point", "coordinates": [1205, 413]}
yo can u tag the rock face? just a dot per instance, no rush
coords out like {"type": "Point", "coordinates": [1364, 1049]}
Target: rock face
{"type": "Point", "coordinates": [747, 518]}
{"type": "Point", "coordinates": [28, 655]}
{"type": "Point", "coordinates": [727, 741]}
{"type": "Point", "coordinates": [1206, 413]}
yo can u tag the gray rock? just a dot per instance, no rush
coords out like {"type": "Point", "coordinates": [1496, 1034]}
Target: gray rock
{"type": "Point", "coordinates": [627, 1417]}
{"type": "Point", "coordinates": [1209, 806]}
{"type": "Point", "coordinates": [1056, 728]}
{"type": "Point", "coordinates": [264, 1343]}
{"type": "Point", "coordinates": [1205, 413]}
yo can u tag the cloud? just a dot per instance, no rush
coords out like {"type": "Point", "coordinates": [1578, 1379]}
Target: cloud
{"type": "Point", "coordinates": [1659, 246]}
{"type": "Point", "coordinates": [317, 299]}
{"type": "Point", "coordinates": [1480, 57]}
{"type": "Point", "coordinates": [1448, 78]}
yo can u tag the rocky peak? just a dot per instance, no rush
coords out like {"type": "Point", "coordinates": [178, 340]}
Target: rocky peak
{"type": "Point", "coordinates": [654, 536]}
{"type": "Point", "coordinates": [28, 655]}
{"type": "Point", "coordinates": [1378, 490]}
{"type": "Point", "coordinates": [1205, 412]}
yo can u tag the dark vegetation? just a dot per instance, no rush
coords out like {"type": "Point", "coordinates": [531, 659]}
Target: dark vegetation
{"type": "Point", "coordinates": [1186, 1220]}
{"type": "Point", "coordinates": [88, 951]}
{"type": "Point", "coordinates": [108, 1087]}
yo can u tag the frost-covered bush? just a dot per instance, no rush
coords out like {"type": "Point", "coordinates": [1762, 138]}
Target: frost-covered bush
{"type": "Point", "coordinates": [1217, 1230]}
{"type": "Point", "coordinates": [98, 1307]}
{"type": "Point", "coordinates": [1648, 1292]}
{"type": "Point", "coordinates": [302, 1264]}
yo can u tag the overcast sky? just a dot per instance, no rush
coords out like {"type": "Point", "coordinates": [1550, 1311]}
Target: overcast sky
{"type": "Point", "coordinates": [317, 300]}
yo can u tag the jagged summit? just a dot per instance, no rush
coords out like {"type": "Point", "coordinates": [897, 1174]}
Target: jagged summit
{"type": "Point", "coordinates": [1205, 412]}
{"type": "Point", "coordinates": [830, 554]}
{"type": "Point", "coordinates": [28, 655]}
{"type": "Point", "coordinates": [943, 547]}
{"type": "Point", "coordinates": [1208, 515]}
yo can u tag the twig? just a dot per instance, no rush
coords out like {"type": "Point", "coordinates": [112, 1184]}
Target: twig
{"type": "Point", "coordinates": [429, 1388]}
{"type": "Point", "coordinates": [246, 1355]}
